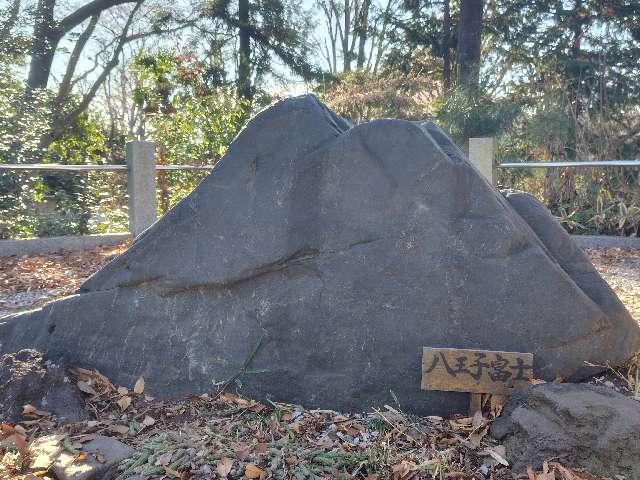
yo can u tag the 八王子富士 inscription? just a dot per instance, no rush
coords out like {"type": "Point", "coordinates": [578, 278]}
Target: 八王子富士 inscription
{"type": "Point", "coordinates": [475, 371]}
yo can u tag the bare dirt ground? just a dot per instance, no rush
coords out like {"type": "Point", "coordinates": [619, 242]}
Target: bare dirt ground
{"type": "Point", "coordinates": [31, 281]}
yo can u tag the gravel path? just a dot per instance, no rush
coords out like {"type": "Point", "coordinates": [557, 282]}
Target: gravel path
{"type": "Point", "coordinates": [30, 281]}
{"type": "Point", "coordinates": [620, 267]}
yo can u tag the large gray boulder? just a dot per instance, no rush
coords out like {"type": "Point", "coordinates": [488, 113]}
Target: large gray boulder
{"type": "Point", "coordinates": [317, 260]}
{"type": "Point", "coordinates": [584, 426]}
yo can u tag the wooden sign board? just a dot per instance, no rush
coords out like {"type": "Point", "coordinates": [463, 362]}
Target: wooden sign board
{"type": "Point", "coordinates": [475, 371]}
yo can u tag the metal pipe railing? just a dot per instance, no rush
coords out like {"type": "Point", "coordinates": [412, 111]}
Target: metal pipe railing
{"type": "Point", "coordinates": [58, 167]}
{"type": "Point", "coordinates": [92, 168]}
{"type": "Point", "coordinates": [576, 164]}
{"type": "Point", "coordinates": [141, 182]}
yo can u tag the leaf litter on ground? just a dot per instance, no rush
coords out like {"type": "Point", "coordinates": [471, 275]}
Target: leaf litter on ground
{"type": "Point", "coordinates": [224, 435]}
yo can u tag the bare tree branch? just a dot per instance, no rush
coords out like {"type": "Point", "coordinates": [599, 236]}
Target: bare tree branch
{"type": "Point", "coordinates": [66, 84]}
{"type": "Point", "coordinates": [88, 97]}
{"type": "Point", "coordinates": [7, 26]}
{"type": "Point", "coordinates": [88, 10]}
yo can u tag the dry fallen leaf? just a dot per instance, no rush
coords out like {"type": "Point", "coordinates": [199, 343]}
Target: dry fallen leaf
{"type": "Point", "coordinates": [498, 453]}
{"type": "Point", "coordinates": [571, 474]}
{"type": "Point", "coordinates": [404, 470]}
{"type": "Point", "coordinates": [172, 473]}
{"type": "Point", "coordinates": [28, 409]}
{"type": "Point", "coordinates": [477, 420]}
{"type": "Point", "coordinates": [497, 404]}
{"type": "Point", "coordinates": [477, 436]}
{"type": "Point", "coordinates": [85, 387]}
{"type": "Point", "coordinates": [546, 474]}
{"type": "Point", "coordinates": [6, 429]}
{"type": "Point", "coordinates": [81, 457]}
{"type": "Point", "coordinates": [124, 402]}
{"type": "Point", "coordinates": [261, 447]}
{"type": "Point", "coordinates": [138, 388]}
{"type": "Point", "coordinates": [251, 471]}
{"type": "Point", "coordinates": [21, 444]}
{"type": "Point", "coordinates": [164, 459]}
{"type": "Point", "coordinates": [148, 421]}
{"type": "Point", "coordinates": [241, 449]}
{"type": "Point", "coordinates": [461, 423]}
{"type": "Point", "coordinates": [257, 407]}
{"type": "Point", "coordinates": [121, 429]}
{"type": "Point", "coordinates": [225, 464]}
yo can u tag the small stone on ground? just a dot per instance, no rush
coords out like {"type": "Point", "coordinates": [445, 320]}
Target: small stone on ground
{"type": "Point", "coordinates": [99, 456]}
{"type": "Point", "coordinates": [581, 425]}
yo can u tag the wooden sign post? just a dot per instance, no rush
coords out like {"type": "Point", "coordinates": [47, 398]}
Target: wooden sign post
{"type": "Point", "coordinates": [475, 371]}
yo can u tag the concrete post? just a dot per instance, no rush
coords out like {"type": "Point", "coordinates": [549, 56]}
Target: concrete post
{"type": "Point", "coordinates": [141, 186]}
{"type": "Point", "coordinates": [481, 154]}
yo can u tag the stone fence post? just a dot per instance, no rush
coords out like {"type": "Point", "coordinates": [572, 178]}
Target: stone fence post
{"type": "Point", "coordinates": [482, 154]}
{"type": "Point", "coordinates": [141, 185]}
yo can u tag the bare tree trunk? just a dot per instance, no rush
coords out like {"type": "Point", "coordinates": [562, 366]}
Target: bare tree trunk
{"type": "Point", "coordinates": [45, 41]}
{"type": "Point", "coordinates": [61, 119]}
{"type": "Point", "coordinates": [65, 85]}
{"type": "Point", "coordinates": [244, 52]}
{"type": "Point", "coordinates": [47, 34]}
{"type": "Point", "coordinates": [329, 10]}
{"type": "Point", "coordinates": [346, 51]}
{"type": "Point", "coordinates": [446, 51]}
{"type": "Point", "coordinates": [577, 21]}
{"type": "Point", "coordinates": [7, 26]}
{"type": "Point", "coordinates": [363, 29]}
{"type": "Point", "coordinates": [469, 38]}
{"type": "Point", "coordinates": [334, 54]}
{"type": "Point", "coordinates": [381, 38]}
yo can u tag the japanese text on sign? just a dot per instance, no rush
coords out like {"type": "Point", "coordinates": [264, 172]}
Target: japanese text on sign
{"type": "Point", "coordinates": [476, 371]}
